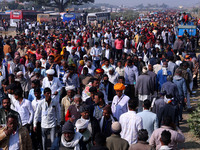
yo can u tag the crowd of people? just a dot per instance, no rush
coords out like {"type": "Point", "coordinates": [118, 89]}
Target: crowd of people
{"type": "Point", "coordinates": [122, 85]}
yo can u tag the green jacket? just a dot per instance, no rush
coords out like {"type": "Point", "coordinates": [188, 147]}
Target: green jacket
{"type": "Point", "coordinates": [121, 143]}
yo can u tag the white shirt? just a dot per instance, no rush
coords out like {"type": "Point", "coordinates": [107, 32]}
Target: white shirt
{"type": "Point", "coordinates": [119, 105]}
{"type": "Point", "coordinates": [35, 103]}
{"type": "Point", "coordinates": [69, 49]}
{"type": "Point", "coordinates": [107, 51]}
{"type": "Point", "coordinates": [120, 71]}
{"type": "Point", "coordinates": [131, 123]}
{"type": "Point", "coordinates": [14, 141]}
{"type": "Point", "coordinates": [50, 115]}
{"type": "Point", "coordinates": [113, 78]}
{"type": "Point", "coordinates": [54, 85]}
{"type": "Point", "coordinates": [96, 52]}
{"type": "Point", "coordinates": [90, 70]}
{"type": "Point", "coordinates": [25, 111]}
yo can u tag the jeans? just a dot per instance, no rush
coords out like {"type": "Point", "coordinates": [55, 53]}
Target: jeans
{"type": "Point", "coordinates": [45, 132]}
{"type": "Point", "coordinates": [96, 63]}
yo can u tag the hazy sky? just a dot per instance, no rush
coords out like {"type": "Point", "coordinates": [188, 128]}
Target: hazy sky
{"type": "Point", "coordinates": [136, 2]}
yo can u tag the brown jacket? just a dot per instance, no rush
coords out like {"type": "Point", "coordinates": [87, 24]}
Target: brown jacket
{"type": "Point", "coordinates": [141, 145]}
{"type": "Point", "coordinates": [7, 49]}
{"type": "Point", "coordinates": [25, 142]}
{"type": "Point", "coordinates": [115, 142]}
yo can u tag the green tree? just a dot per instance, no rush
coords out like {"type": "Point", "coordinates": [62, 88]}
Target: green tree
{"type": "Point", "coordinates": [60, 4]}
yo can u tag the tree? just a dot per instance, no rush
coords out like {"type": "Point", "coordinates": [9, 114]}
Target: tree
{"type": "Point", "coordinates": [60, 4]}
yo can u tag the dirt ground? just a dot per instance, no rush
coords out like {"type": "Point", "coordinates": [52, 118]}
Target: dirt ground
{"type": "Point", "coordinates": [191, 141]}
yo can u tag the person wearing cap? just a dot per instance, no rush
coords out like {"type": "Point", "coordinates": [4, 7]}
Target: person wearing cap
{"type": "Point", "coordinates": [131, 123]}
{"type": "Point", "coordinates": [69, 46]}
{"type": "Point", "coordinates": [82, 127]}
{"type": "Point", "coordinates": [90, 67]}
{"type": "Point", "coordinates": [67, 101]}
{"type": "Point", "coordinates": [112, 75]}
{"type": "Point", "coordinates": [52, 65]}
{"type": "Point", "coordinates": [52, 82]}
{"type": "Point", "coordinates": [120, 101]}
{"type": "Point", "coordinates": [70, 139]}
{"type": "Point", "coordinates": [143, 87]}
{"type": "Point", "coordinates": [49, 111]}
{"type": "Point", "coordinates": [71, 78]}
{"type": "Point", "coordinates": [73, 112]}
{"type": "Point", "coordinates": [25, 84]}
{"type": "Point", "coordinates": [115, 142]}
{"type": "Point", "coordinates": [131, 75]}
{"type": "Point", "coordinates": [142, 143]}
{"type": "Point", "coordinates": [6, 110]}
{"type": "Point", "coordinates": [93, 124]}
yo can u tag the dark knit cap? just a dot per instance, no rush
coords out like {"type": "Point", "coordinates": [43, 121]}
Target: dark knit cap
{"type": "Point", "coordinates": [68, 127]}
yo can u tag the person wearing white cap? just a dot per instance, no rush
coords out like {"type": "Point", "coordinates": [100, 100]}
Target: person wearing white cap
{"type": "Point", "coordinates": [82, 127]}
{"type": "Point", "coordinates": [90, 67]}
{"type": "Point", "coordinates": [67, 101]}
{"type": "Point", "coordinates": [26, 85]}
{"type": "Point", "coordinates": [144, 87]}
{"type": "Point", "coordinates": [114, 141]}
{"type": "Point", "coordinates": [52, 82]}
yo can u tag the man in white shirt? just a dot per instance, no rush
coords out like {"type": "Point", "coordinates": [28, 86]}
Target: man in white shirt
{"type": "Point", "coordinates": [120, 101]}
{"type": "Point", "coordinates": [131, 123]}
{"type": "Point", "coordinates": [96, 54]}
{"type": "Point", "coordinates": [69, 47]}
{"type": "Point", "coordinates": [49, 110]}
{"type": "Point", "coordinates": [36, 137]}
{"type": "Point", "coordinates": [90, 67]}
{"type": "Point", "coordinates": [53, 83]}
{"type": "Point", "coordinates": [120, 69]}
{"type": "Point", "coordinates": [106, 66]}
{"type": "Point", "coordinates": [24, 108]}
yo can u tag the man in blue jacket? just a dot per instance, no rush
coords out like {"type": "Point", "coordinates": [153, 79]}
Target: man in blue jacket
{"type": "Point", "coordinates": [182, 90]}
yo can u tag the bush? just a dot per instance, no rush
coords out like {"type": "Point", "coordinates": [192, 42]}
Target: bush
{"type": "Point", "coordinates": [194, 121]}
